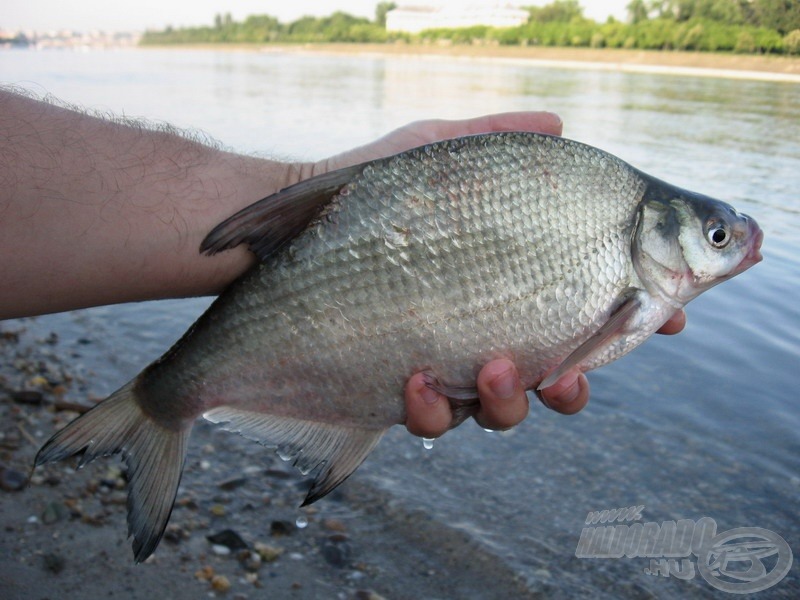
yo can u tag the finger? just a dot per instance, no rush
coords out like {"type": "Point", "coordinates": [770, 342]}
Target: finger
{"type": "Point", "coordinates": [541, 122]}
{"type": "Point", "coordinates": [427, 412]}
{"type": "Point", "coordinates": [568, 395]}
{"type": "Point", "coordinates": [503, 400]}
{"type": "Point", "coordinates": [675, 324]}
{"type": "Point", "coordinates": [432, 130]}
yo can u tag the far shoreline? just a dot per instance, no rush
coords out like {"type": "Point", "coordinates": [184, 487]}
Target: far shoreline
{"type": "Point", "coordinates": [667, 62]}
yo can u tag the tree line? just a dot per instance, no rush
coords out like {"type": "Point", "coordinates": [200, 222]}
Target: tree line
{"type": "Point", "coordinates": [747, 26]}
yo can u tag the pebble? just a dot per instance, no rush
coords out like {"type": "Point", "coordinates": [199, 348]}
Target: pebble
{"type": "Point", "coordinates": [54, 512]}
{"type": "Point", "coordinates": [11, 440]}
{"type": "Point", "coordinates": [232, 484]}
{"type": "Point", "coordinates": [334, 525]}
{"type": "Point", "coordinates": [279, 528]}
{"type": "Point", "coordinates": [229, 539]}
{"type": "Point", "coordinates": [27, 397]}
{"type": "Point", "coordinates": [39, 381]}
{"type": "Point", "coordinates": [218, 510]}
{"type": "Point", "coordinates": [10, 336]}
{"type": "Point", "coordinates": [220, 583]}
{"type": "Point", "coordinates": [187, 502]}
{"type": "Point", "coordinates": [205, 573]}
{"type": "Point", "coordinates": [267, 552]}
{"type": "Point", "coordinates": [250, 560]}
{"type": "Point", "coordinates": [12, 480]}
{"type": "Point", "coordinates": [175, 534]}
{"type": "Point", "coordinates": [278, 473]}
{"type": "Point", "coordinates": [220, 550]}
{"type": "Point", "coordinates": [368, 595]}
{"type": "Point", "coordinates": [336, 550]}
{"type": "Point", "coordinates": [53, 562]}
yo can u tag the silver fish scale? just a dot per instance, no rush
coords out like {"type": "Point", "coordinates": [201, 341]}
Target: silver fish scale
{"type": "Point", "coordinates": [438, 259]}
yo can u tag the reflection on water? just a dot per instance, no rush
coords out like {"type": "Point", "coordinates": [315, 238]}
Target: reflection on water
{"type": "Point", "coordinates": [703, 424]}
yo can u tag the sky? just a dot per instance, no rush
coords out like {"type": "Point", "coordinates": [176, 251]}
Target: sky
{"type": "Point", "coordinates": [124, 15]}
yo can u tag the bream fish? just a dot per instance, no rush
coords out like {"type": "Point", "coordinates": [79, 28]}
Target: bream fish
{"type": "Point", "coordinates": [539, 249]}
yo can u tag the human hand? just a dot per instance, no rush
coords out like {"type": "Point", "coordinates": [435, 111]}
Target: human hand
{"type": "Point", "coordinates": [503, 402]}
{"type": "Point", "coordinates": [420, 133]}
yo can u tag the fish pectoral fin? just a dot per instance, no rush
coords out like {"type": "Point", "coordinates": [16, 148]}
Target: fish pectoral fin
{"type": "Point", "coordinates": [614, 325]}
{"type": "Point", "coordinates": [459, 393]}
{"type": "Point", "coordinates": [464, 399]}
{"type": "Point", "coordinates": [336, 450]}
{"type": "Point", "coordinates": [275, 220]}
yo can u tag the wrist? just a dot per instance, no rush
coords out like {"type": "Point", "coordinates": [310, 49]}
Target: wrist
{"type": "Point", "coordinates": [230, 182]}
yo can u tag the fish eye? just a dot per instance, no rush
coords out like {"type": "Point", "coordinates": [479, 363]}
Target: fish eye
{"type": "Point", "coordinates": [718, 233]}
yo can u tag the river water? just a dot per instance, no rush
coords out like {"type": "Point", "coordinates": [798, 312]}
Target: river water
{"type": "Point", "coordinates": [704, 424]}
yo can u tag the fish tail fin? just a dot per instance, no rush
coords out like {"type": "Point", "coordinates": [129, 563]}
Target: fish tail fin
{"type": "Point", "coordinates": [154, 455]}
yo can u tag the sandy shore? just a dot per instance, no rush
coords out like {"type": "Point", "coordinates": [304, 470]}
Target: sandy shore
{"type": "Point", "coordinates": [701, 64]}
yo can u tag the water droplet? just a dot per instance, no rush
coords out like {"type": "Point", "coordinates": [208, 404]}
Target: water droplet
{"type": "Point", "coordinates": [488, 430]}
{"type": "Point", "coordinates": [286, 453]}
{"type": "Point", "coordinates": [427, 443]}
{"type": "Point", "coordinates": [301, 522]}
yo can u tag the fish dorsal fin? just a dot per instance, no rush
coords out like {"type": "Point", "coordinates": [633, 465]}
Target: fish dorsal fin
{"type": "Point", "coordinates": [337, 450]}
{"type": "Point", "coordinates": [273, 221]}
{"type": "Point", "coordinates": [614, 325]}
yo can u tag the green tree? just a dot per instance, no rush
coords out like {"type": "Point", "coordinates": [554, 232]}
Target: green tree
{"type": "Point", "coordinates": [745, 42]}
{"type": "Point", "coordinates": [637, 11]}
{"type": "Point", "coordinates": [781, 15]}
{"type": "Point", "coordinates": [560, 11]}
{"type": "Point", "coordinates": [380, 12]}
{"type": "Point", "coordinates": [791, 42]}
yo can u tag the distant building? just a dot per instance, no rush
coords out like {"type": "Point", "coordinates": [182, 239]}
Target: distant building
{"type": "Point", "coordinates": [416, 18]}
{"type": "Point", "coordinates": [66, 38]}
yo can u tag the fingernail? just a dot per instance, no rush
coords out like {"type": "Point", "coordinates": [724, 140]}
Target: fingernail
{"type": "Point", "coordinates": [428, 395]}
{"type": "Point", "coordinates": [568, 390]}
{"type": "Point", "coordinates": [571, 389]}
{"type": "Point", "coordinates": [503, 385]}
{"type": "Point", "coordinates": [557, 119]}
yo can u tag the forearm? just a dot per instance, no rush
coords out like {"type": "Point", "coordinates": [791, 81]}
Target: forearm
{"type": "Point", "coordinates": [97, 212]}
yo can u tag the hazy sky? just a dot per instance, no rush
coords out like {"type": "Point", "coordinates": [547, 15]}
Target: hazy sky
{"type": "Point", "coordinates": [127, 15]}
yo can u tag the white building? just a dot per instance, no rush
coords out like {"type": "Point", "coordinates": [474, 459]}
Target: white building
{"type": "Point", "coordinates": [416, 18]}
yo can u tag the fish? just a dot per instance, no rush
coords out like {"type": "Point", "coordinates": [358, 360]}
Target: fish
{"type": "Point", "coordinates": [518, 245]}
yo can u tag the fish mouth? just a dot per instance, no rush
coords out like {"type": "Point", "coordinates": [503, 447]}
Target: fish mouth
{"type": "Point", "coordinates": [753, 255]}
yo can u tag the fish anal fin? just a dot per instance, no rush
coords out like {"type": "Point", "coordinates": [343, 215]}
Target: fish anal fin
{"type": "Point", "coordinates": [154, 455]}
{"type": "Point", "coordinates": [335, 450]}
{"type": "Point", "coordinates": [615, 324]}
{"type": "Point", "coordinates": [268, 224]}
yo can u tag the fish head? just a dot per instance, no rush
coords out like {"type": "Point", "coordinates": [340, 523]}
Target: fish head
{"type": "Point", "coordinates": [686, 243]}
